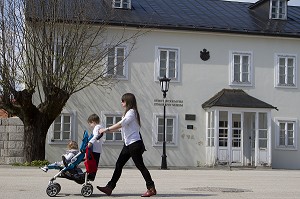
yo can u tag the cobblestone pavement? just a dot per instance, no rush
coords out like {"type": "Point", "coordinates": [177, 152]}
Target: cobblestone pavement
{"type": "Point", "coordinates": [31, 183]}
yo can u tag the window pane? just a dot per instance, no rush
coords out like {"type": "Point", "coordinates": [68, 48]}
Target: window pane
{"type": "Point", "coordinates": [290, 62]}
{"type": "Point", "coordinates": [263, 134]}
{"type": "Point", "coordinates": [67, 119]}
{"type": "Point", "coordinates": [163, 55]}
{"type": "Point", "coordinates": [67, 127]}
{"type": "Point", "coordinates": [236, 59]}
{"type": "Point", "coordinates": [290, 141]}
{"type": "Point", "coordinates": [290, 126]}
{"type": "Point", "coordinates": [58, 120]}
{"type": "Point", "coordinates": [169, 138]}
{"type": "Point", "coordinates": [262, 121]}
{"type": "Point", "coordinates": [282, 141]}
{"type": "Point", "coordinates": [281, 61]}
{"type": "Point", "coordinates": [170, 122]}
{"type": "Point", "coordinates": [109, 121]}
{"type": "Point", "coordinates": [245, 63]}
{"type": "Point", "coordinates": [109, 136]}
{"type": "Point", "coordinates": [56, 135]}
{"type": "Point", "coordinates": [118, 119]}
{"type": "Point", "coordinates": [66, 135]}
{"type": "Point", "coordinates": [111, 61]}
{"type": "Point", "coordinates": [57, 127]}
{"type": "Point", "coordinates": [118, 136]}
{"type": "Point", "coordinates": [262, 143]}
{"type": "Point", "coordinates": [120, 69]}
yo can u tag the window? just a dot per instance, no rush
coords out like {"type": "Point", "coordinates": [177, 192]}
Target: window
{"type": "Point", "coordinates": [167, 63]}
{"type": "Point", "coordinates": [62, 58]}
{"type": "Point", "coordinates": [286, 133]}
{"type": "Point", "coordinates": [241, 68]}
{"type": "Point", "coordinates": [263, 130]}
{"type": "Point", "coordinates": [116, 62]}
{"type": "Point", "coordinates": [286, 71]}
{"type": "Point", "coordinates": [210, 137]}
{"type": "Point", "coordinates": [110, 119]}
{"type": "Point", "coordinates": [223, 129]}
{"type": "Point", "coordinates": [170, 130]}
{"type": "Point", "coordinates": [126, 4]}
{"type": "Point", "coordinates": [62, 129]}
{"type": "Point", "coordinates": [236, 130]}
{"type": "Point", "coordinates": [278, 9]}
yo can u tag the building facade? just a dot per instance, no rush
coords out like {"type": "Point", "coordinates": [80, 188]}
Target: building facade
{"type": "Point", "coordinates": [234, 89]}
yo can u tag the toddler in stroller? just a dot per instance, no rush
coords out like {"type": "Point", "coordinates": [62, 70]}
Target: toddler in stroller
{"type": "Point", "coordinates": [71, 171]}
{"type": "Point", "coordinates": [66, 158]}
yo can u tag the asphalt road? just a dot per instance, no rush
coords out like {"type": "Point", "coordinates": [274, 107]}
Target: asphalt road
{"type": "Point", "coordinates": [31, 183]}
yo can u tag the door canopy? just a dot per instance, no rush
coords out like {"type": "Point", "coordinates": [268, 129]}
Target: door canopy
{"type": "Point", "coordinates": [235, 98]}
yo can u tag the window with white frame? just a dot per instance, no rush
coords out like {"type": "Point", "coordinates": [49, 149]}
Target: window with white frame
{"type": "Point", "coordinates": [116, 62]}
{"type": "Point", "coordinates": [171, 123]}
{"type": "Point", "coordinates": [278, 9]}
{"type": "Point", "coordinates": [58, 61]}
{"type": "Point", "coordinates": [241, 68]}
{"type": "Point", "coordinates": [125, 4]}
{"type": "Point", "coordinates": [263, 130]}
{"type": "Point", "coordinates": [167, 63]}
{"type": "Point", "coordinates": [210, 137]}
{"type": "Point", "coordinates": [62, 58]}
{"type": "Point", "coordinates": [286, 74]}
{"type": "Point", "coordinates": [110, 119]}
{"type": "Point", "coordinates": [62, 129]}
{"type": "Point", "coordinates": [286, 133]}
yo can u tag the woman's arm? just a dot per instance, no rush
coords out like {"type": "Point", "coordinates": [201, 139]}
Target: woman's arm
{"type": "Point", "coordinates": [111, 128]}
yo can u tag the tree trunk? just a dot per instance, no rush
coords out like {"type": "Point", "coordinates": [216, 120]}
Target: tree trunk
{"type": "Point", "coordinates": [34, 139]}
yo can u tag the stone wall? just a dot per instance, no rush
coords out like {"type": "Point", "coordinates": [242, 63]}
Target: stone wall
{"type": "Point", "coordinates": [11, 140]}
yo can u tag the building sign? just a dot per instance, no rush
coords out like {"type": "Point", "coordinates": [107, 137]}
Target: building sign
{"type": "Point", "coordinates": [174, 103]}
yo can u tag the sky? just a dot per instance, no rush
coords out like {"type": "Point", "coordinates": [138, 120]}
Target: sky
{"type": "Point", "coordinates": [290, 3]}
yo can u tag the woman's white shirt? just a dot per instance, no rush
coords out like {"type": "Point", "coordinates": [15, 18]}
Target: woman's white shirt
{"type": "Point", "coordinates": [130, 127]}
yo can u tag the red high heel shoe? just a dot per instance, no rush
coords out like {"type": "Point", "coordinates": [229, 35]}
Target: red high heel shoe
{"type": "Point", "coordinates": [105, 190]}
{"type": "Point", "coordinates": [149, 192]}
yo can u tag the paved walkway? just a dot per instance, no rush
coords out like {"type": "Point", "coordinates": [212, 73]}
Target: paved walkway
{"type": "Point", "coordinates": [31, 183]}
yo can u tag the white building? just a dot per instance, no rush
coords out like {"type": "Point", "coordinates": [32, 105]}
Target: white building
{"type": "Point", "coordinates": [234, 90]}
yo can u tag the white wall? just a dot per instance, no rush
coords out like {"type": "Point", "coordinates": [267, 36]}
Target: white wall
{"type": "Point", "coordinates": [200, 80]}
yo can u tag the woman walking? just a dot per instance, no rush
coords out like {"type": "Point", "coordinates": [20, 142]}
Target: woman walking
{"type": "Point", "coordinates": [133, 146]}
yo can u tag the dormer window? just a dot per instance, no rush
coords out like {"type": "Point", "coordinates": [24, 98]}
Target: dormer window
{"type": "Point", "coordinates": [278, 9]}
{"type": "Point", "coordinates": [125, 4]}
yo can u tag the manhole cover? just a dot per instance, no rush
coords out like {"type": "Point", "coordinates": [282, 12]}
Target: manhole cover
{"type": "Point", "coordinates": [218, 189]}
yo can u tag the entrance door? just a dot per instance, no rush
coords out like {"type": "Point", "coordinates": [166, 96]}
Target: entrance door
{"type": "Point", "coordinates": [260, 151]}
{"type": "Point", "coordinates": [236, 135]}
{"type": "Point", "coordinates": [230, 137]}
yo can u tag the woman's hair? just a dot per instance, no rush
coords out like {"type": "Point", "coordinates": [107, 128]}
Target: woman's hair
{"type": "Point", "coordinates": [72, 145]}
{"type": "Point", "coordinates": [130, 100]}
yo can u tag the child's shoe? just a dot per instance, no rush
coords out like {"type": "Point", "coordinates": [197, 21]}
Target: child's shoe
{"type": "Point", "coordinates": [45, 168]}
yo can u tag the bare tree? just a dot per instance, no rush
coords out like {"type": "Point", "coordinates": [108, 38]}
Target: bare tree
{"type": "Point", "coordinates": [51, 49]}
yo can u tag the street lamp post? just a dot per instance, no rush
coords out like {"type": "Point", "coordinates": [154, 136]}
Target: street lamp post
{"type": "Point", "coordinates": [164, 83]}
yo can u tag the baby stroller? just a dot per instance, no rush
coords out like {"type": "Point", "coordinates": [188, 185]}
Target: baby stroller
{"type": "Point", "coordinates": [72, 172]}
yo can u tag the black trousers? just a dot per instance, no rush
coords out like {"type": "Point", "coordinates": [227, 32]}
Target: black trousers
{"type": "Point", "coordinates": [134, 151]}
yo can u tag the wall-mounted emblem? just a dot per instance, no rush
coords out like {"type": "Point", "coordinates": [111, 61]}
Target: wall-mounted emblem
{"type": "Point", "coordinates": [204, 55]}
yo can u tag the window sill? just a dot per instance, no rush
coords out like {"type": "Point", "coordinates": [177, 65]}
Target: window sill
{"type": "Point", "coordinates": [58, 142]}
{"type": "Point", "coordinates": [286, 148]}
{"type": "Point", "coordinates": [113, 143]}
{"type": "Point", "coordinates": [167, 145]}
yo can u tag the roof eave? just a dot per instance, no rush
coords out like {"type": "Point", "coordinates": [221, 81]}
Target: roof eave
{"type": "Point", "coordinates": [206, 29]}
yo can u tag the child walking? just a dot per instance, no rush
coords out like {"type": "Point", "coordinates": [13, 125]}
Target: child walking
{"type": "Point", "coordinates": [95, 144]}
{"type": "Point", "coordinates": [66, 158]}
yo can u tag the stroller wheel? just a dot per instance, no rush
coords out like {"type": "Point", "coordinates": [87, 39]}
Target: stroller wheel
{"type": "Point", "coordinates": [58, 186]}
{"type": "Point", "coordinates": [87, 190]}
{"type": "Point", "coordinates": [53, 189]}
